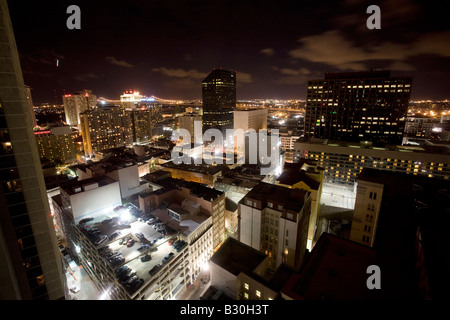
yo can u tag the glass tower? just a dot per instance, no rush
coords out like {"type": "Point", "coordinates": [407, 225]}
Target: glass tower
{"type": "Point", "coordinates": [219, 99]}
{"type": "Point", "coordinates": [358, 106]}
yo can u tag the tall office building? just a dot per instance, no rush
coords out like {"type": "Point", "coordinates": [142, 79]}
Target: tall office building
{"type": "Point", "coordinates": [144, 122]}
{"type": "Point", "coordinates": [30, 105]}
{"type": "Point", "coordinates": [105, 128]}
{"type": "Point", "coordinates": [76, 103]}
{"type": "Point", "coordinates": [219, 99]}
{"type": "Point", "coordinates": [187, 122]}
{"type": "Point", "coordinates": [255, 119]}
{"type": "Point", "coordinates": [358, 106]}
{"type": "Point", "coordinates": [30, 261]}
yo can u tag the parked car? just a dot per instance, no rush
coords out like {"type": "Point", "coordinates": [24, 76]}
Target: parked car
{"type": "Point", "coordinates": [82, 221]}
{"type": "Point", "coordinates": [140, 236]}
{"type": "Point", "coordinates": [131, 243]}
{"type": "Point", "coordinates": [122, 269]}
{"type": "Point", "coordinates": [114, 235]}
{"type": "Point", "coordinates": [146, 257]}
{"type": "Point", "coordinates": [143, 247]}
{"type": "Point", "coordinates": [101, 239]}
{"type": "Point", "coordinates": [167, 258]}
{"type": "Point", "coordinates": [154, 269]}
{"type": "Point", "coordinates": [74, 289]}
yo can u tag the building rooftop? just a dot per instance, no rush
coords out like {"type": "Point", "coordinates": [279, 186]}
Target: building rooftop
{"type": "Point", "coordinates": [336, 269]}
{"type": "Point", "coordinates": [297, 172]}
{"type": "Point", "coordinates": [197, 168]}
{"type": "Point", "coordinates": [236, 257]}
{"type": "Point", "coordinates": [423, 149]}
{"type": "Point", "coordinates": [74, 186]}
{"type": "Point", "coordinates": [197, 189]}
{"type": "Point", "coordinates": [292, 199]}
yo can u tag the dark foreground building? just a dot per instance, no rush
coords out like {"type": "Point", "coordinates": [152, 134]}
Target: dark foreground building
{"type": "Point", "coordinates": [30, 261]}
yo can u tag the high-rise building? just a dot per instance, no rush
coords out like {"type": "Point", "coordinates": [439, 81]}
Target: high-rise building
{"type": "Point", "coordinates": [219, 99]}
{"type": "Point", "coordinates": [30, 260]}
{"type": "Point", "coordinates": [358, 106]}
{"type": "Point", "coordinates": [76, 103]}
{"type": "Point", "coordinates": [105, 128]}
{"type": "Point", "coordinates": [144, 122]}
{"type": "Point", "coordinates": [275, 220]}
{"type": "Point", "coordinates": [187, 122]}
{"type": "Point", "coordinates": [30, 105]}
{"type": "Point", "coordinates": [56, 144]}
{"type": "Point", "coordinates": [255, 119]}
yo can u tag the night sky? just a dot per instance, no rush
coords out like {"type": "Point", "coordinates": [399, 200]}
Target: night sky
{"type": "Point", "coordinates": [165, 48]}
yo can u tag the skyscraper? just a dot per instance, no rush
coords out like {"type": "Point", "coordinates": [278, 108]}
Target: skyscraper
{"type": "Point", "coordinates": [30, 104]}
{"type": "Point", "coordinates": [74, 104]}
{"type": "Point", "coordinates": [358, 106]}
{"type": "Point", "coordinates": [219, 99]}
{"type": "Point", "coordinates": [105, 128]}
{"type": "Point", "coordinates": [187, 122]}
{"type": "Point", "coordinates": [30, 261]}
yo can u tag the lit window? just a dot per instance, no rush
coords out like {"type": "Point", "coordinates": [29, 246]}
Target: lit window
{"type": "Point", "coordinates": [258, 293]}
{"type": "Point", "coordinates": [246, 286]}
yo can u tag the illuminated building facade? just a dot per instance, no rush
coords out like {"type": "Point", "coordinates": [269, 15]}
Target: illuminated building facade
{"type": "Point", "coordinates": [275, 220]}
{"type": "Point", "coordinates": [305, 175]}
{"type": "Point", "coordinates": [358, 106]}
{"type": "Point", "coordinates": [143, 122]}
{"type": "Point", "coordinates": [219, 99]}
{"type": "Point", "coordinates": [187, 121]}
{"type": "Point", "coordinates": [30, 261]}
{"type": "Point", "coordinates": [105, 128]}
{"type": "Point", "coordinates": [255, 119]}
{"type": "Point", "coordinates": [56, 144]}
{"type": "Point", "coordinates": [342, 162]}
{"type": "Point", "coordinates": [76, 103]}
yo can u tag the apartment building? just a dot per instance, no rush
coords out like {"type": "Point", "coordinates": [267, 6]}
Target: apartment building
{"type": "Point", "coordinates": [275, 220]}
{"type": "Point", "coordinates": [57, 144]}
{"type": "Point", "coordinates": [305, 175]}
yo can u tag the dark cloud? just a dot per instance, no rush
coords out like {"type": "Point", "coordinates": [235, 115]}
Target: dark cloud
{"type": "Point", "coordinates": [120, 63]}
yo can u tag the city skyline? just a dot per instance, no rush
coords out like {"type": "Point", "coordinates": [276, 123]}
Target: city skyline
{"type": "Point", "coordinates": [274, 47]}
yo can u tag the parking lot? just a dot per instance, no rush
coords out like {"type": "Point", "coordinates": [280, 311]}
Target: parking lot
{"type": "Point", "coordinates": [132, 242]}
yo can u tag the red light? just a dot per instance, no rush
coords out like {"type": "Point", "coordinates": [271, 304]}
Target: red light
{"type": "Point", "coordinates": [86, 95]}
{"type": "Point", "coordinates": [67, 95]}
{"type": "Point", "coordinates": [41, 132]}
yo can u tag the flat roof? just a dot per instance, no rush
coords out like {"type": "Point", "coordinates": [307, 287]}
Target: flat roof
{"type": "Point", "coordinates": [336, 269]}
{"type": "Point", "coordinates": [292, 199]}
{"type": "Point", "coordinates": [73, 184]}
{"type": "Point", "coordinates": [236, 257]}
